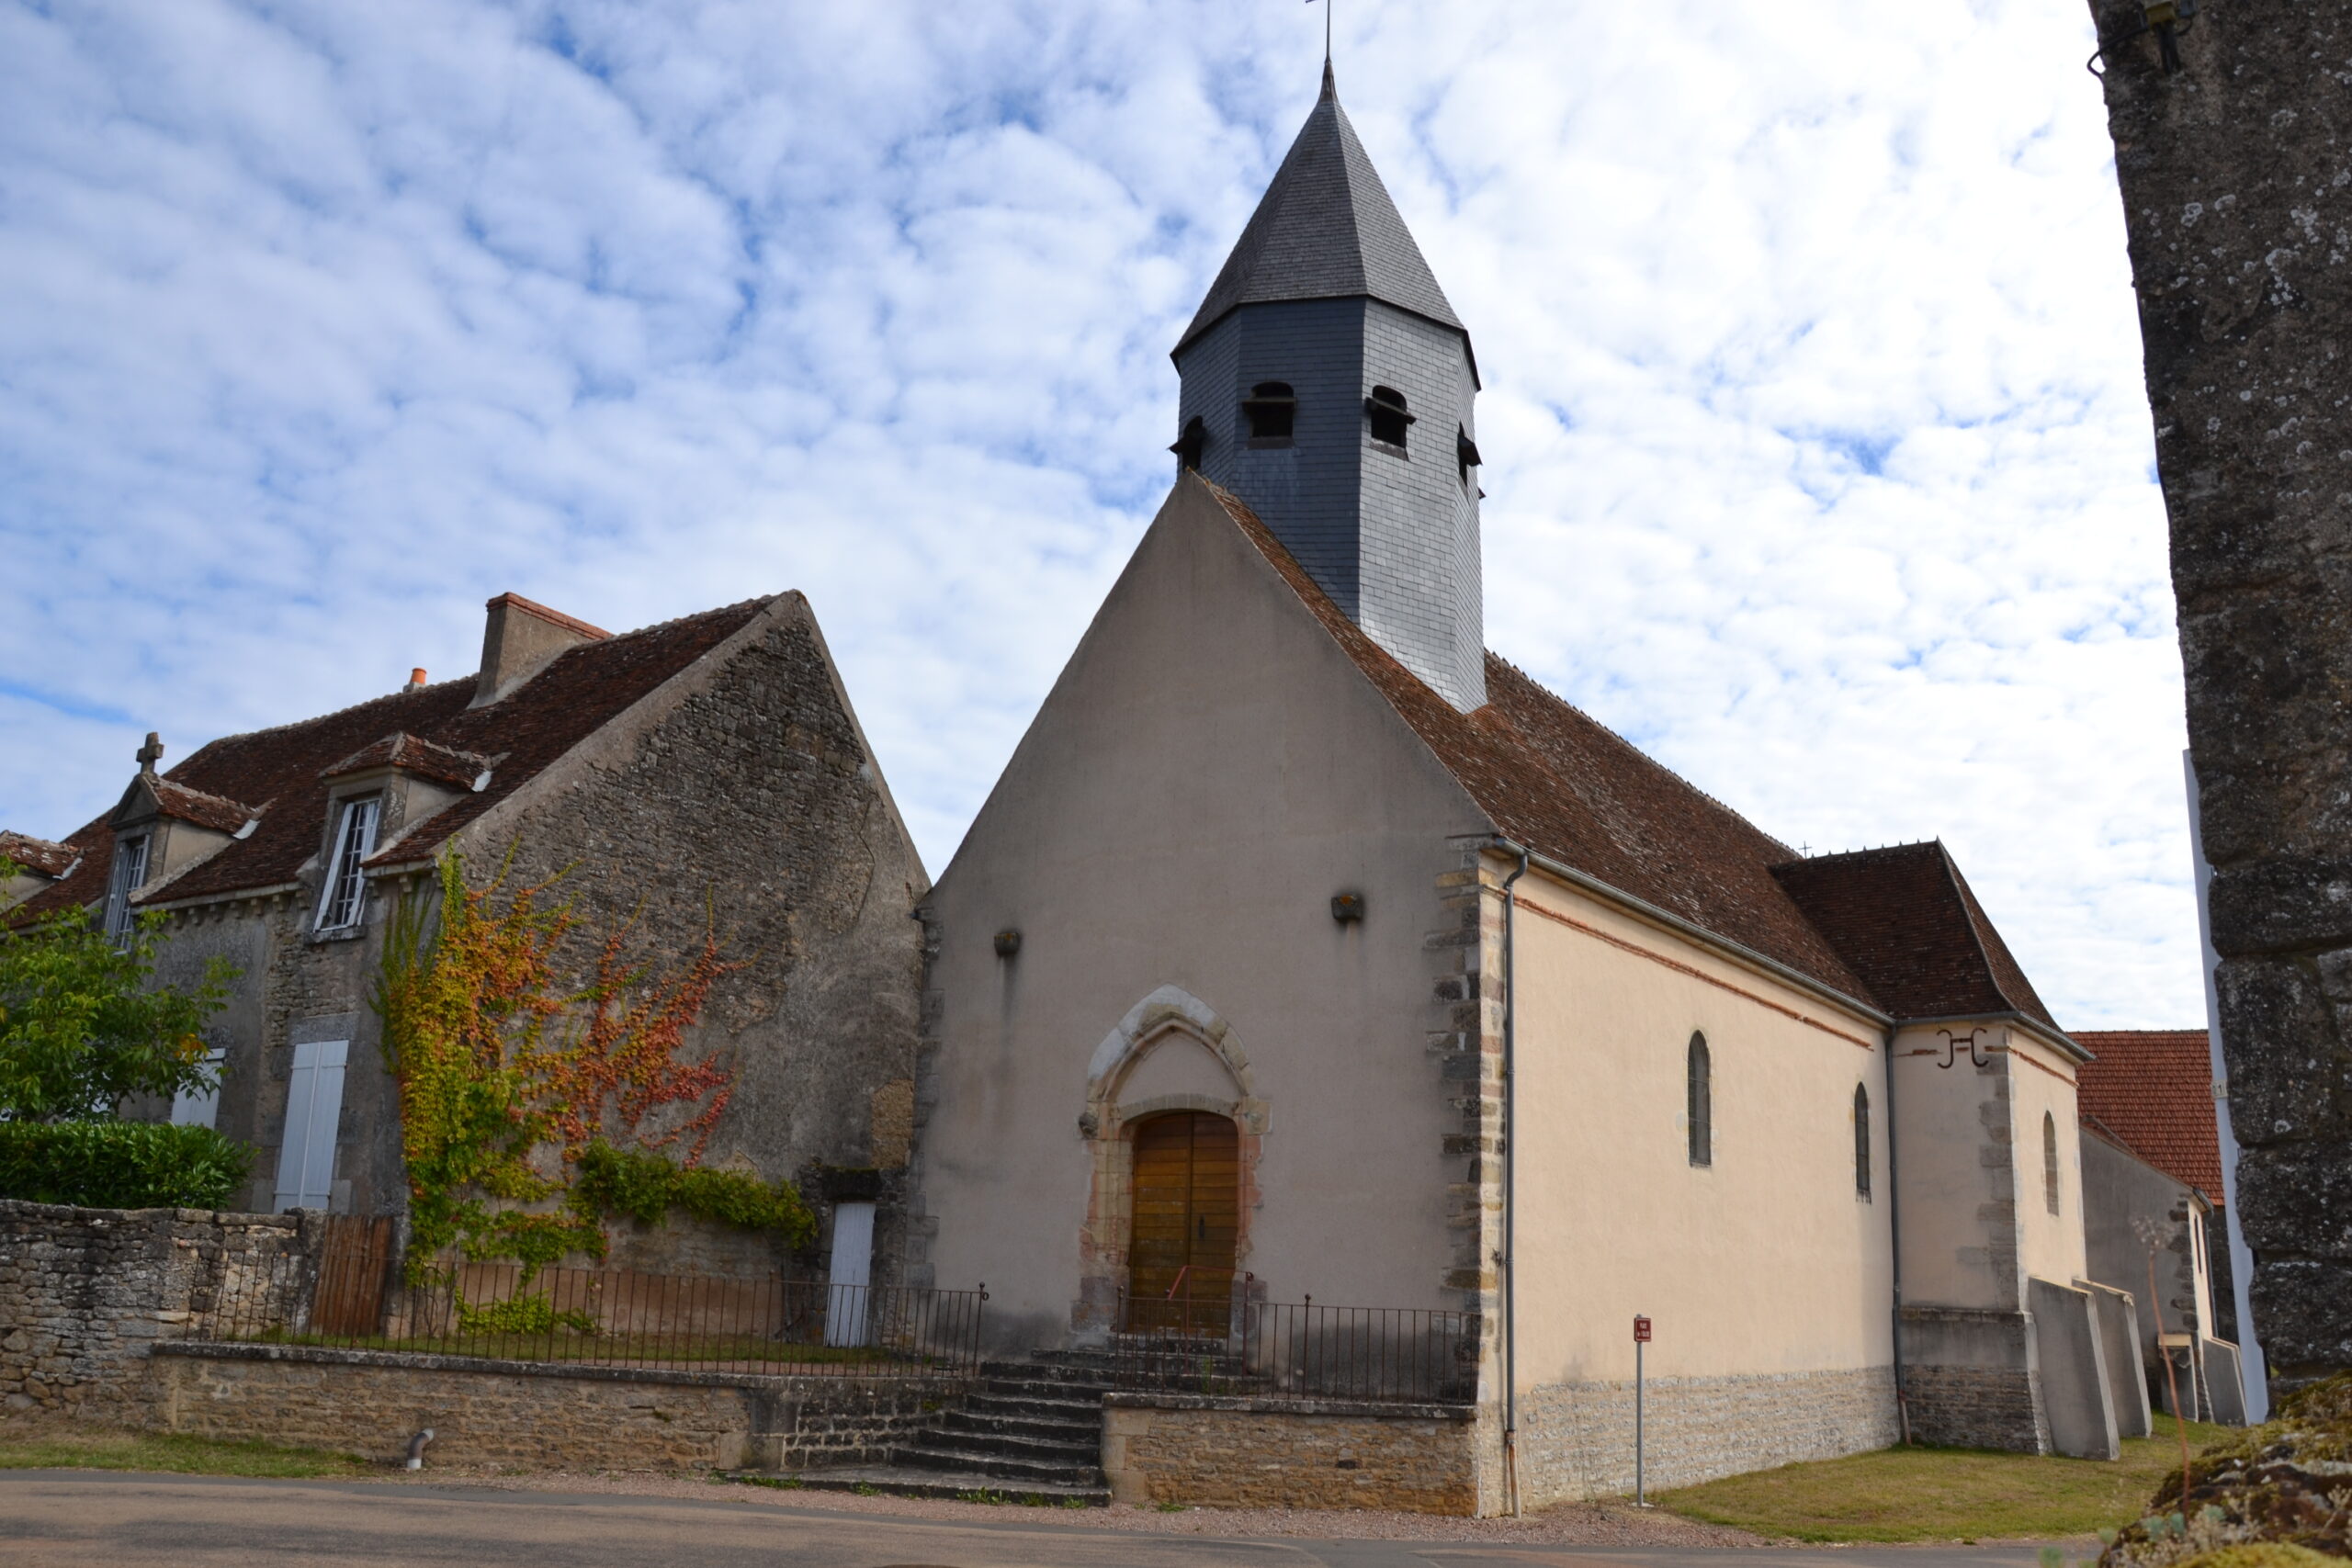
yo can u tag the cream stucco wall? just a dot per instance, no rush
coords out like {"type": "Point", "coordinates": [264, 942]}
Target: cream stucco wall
{"type": "Point", "coordinates": [2043, 1083]}
{"type": "Point", "coordinates": [1209, 770]}
{"type": "Point", "coordinates": [1766, 1261]}
{"type": "Point", "coordinates": [1976, 1227]}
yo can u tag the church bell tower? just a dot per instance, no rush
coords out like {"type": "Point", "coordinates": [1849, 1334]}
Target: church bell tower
{"type": "Point", "coordinates": [1327, 382]}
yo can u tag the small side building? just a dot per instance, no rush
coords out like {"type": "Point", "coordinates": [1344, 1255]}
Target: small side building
{"type": "Point", "coordinates": [2151, 1172]}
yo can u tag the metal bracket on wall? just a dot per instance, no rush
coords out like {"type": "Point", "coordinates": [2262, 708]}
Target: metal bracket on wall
{"type": "Point", "coordinates": [1951, 1049]}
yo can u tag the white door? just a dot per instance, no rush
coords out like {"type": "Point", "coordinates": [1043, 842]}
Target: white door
{"type": "Point", "coordinates": [853, 1267]}
{"type": "Point", "coordinates": [313, 1113]}
{"type": "Point", "coordinates": [200, 1107]}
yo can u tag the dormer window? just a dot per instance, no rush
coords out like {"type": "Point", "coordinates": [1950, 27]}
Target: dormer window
{"type": "Point", "coordinates": [130, 871]}
{"type": "Point", "coordinates": [344, 901]}
{"type": "Point", "coordinates": [1272, 409]}
{"type": "Point", "coordinates": [1385, 412]}
{"type": "Point", "coordinates": [1466, 455]}
{"type": "Point", "coordinates": [1191, 444]}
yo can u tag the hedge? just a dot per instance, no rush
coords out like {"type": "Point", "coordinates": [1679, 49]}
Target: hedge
{"type": "Point", "coordinates": [122, 1165]}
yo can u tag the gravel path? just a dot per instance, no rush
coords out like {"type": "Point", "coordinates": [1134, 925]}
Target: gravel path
{"type": "Point", "coordinates": [1612, 1524]}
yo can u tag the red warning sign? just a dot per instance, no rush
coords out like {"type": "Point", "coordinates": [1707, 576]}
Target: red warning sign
{"type": "Point", "coordinates": [1640, 1331]}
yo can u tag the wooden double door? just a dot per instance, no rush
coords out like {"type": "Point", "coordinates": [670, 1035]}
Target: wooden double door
{"type": "Point", "coordinates": [1186, 1225]}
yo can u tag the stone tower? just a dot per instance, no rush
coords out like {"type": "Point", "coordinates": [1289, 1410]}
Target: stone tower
{"type": "Point", "coordinates": [1327, 382]}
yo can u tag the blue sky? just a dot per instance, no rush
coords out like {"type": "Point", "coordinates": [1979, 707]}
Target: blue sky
{"type": "Point", "coordinates": [1818, 459]}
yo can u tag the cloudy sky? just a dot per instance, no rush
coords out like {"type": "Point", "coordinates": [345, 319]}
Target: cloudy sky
{"type": "Point", "coordinates": [1819, 463]}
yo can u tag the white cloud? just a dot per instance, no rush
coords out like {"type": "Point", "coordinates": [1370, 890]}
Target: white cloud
{"type": "Point", "coordinates": [1818, 455]}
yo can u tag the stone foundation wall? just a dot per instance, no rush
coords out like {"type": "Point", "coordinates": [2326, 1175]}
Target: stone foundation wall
{"type": "Point", "coordinates": [1969, 1380]}
{"type": "Point", "coordinates": [1576, 1439]}
{"type": "Point", "coordinates": [528, 1413]}
{"type": "Point", "coordinates": [1248, 1454]}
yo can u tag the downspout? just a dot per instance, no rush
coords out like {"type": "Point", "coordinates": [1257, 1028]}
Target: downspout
{"type": "Point", "coordinates": [1894, 1241]}
{"type": "Point", "coordinates": [1510, 1163]}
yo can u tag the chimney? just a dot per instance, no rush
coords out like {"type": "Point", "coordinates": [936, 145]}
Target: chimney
{"type": "Point", "coordinates": [520, 640]}
{"type": "Point", "coordinates": [416, 679]}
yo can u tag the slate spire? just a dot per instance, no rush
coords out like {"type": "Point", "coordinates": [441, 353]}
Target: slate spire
{"type": "Point", "coordinates": [1329, 384]}
{"type": "Point", "coordinates": [1325, 229]}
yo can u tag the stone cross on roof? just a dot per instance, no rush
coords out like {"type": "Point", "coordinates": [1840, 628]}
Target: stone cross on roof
{"type": "Point", "coordinates": [151, 753]}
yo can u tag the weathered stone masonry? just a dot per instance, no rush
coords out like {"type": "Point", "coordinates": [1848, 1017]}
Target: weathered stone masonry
{"type": "Point", "coordinates": [2236, 180]}
{"type": "Point", "coordinates": [97, 1305]}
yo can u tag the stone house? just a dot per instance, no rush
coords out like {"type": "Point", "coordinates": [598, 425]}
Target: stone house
{"type": "Point", "coordinates": [708, 772]}
{"type": "Point", "coordinates": [1306, 949]}
{"type": "Point", "coordinates": [2152, 1168]}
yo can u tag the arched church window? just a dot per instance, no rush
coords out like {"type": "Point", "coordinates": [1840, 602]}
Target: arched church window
{"type": "Point", "coordinates": [1861, 1141]}
{"type": "Point", "coordinates": [2050, 1162]}
{"type": "Point", "coordinates": [1699, 1091]}
{"type": "Point", "coordinates": [1466, 455]}
{"type": "Point", "coordinates": [1385, 410]}
{"type": "Point", "coordinates": [1190, 444]}
{"type": "Point", "coordinates": [1271, 409]}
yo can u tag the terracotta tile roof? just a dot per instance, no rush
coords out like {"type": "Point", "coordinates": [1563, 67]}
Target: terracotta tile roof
{"type": "Point", "coordinates": [177, 801]}
{"type": "Point", "coordinates": [1905, 919]}
{"type": "Point", "coordinates": [280, 769]}
{"type": "Point", "coordinates": [414, 754]}
{"type": "Point", "coordinates": [1555, 780]}
{"type": "Point", "coordinates": [1896, 930]}
{"type": "Point", "coordinates": [37, 854]}
{"type": "Point", "coordinates": [2151, 1091]}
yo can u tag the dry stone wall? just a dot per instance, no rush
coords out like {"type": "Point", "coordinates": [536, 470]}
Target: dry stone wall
{"type": "Point", "coordinates": [2236, 176]}
{"type": "Point", "coordinates": [86, 1293]}
{"type": "Point", "coordinates": [1242, 1453]}
{"type": "Point", "coordinates": [526, 1413]}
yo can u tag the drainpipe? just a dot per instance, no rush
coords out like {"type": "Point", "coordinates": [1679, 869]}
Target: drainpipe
{"type": "Point", "coordinates": [1895, 1240]}
{"type": "Point", "coordinates": [1511, 1162]}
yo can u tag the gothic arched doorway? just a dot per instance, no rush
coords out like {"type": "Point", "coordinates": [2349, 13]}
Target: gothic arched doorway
{"type": "Point", "coordinates": [1186, 1220]}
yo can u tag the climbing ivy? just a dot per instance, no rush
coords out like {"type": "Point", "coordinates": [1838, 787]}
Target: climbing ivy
{"type": "Point", "coordinates": [514, 1088]}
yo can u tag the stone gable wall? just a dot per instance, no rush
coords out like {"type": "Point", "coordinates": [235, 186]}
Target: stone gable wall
{"type": "Point", "coordinates": [2236, 178]}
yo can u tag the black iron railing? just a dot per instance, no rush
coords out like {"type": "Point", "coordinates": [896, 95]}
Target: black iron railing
{"type": "Point", "coordinates": [603, 1317]}
{"type": "Point", "coordinates": [1299, 1351]}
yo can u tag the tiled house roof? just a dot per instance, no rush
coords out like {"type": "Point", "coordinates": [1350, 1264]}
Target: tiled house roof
{"type": "Point", "coordinates": [1555, 780]}
{"type": "Point", "coordinates": [177, 801]}
{"type": "Point", "coordinates": [2151, 1091]}
{"type": "Point", "coordinates": [412, 754]}
{"type": "Point", "coordinates": [1905, 919]}
{"type": "Point", "coordinates": [1325, 229]}
{"type": "Point", "coordinates": [37, 855]}
{"type": "Point", "coordinates": [282, 770]}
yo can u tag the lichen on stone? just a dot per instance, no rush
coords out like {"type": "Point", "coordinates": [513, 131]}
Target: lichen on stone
{"type": "Point", "coordinates": [2287, 1482]}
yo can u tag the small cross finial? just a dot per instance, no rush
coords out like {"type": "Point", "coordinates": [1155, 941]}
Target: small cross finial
{"type": "Point", "coordinates": [151, 753]}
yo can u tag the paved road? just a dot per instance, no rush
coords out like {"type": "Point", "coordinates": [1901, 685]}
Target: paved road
{"type": "Point", "coordinates": [93, 1519]}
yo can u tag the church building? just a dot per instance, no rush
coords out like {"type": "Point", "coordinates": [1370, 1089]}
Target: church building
{"type": "Point", "coordinates": [1307, 950]}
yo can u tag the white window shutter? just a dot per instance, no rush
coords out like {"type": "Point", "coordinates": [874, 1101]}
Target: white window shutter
{"type": "Point", "coordinates": [313, 1115]}
{"type": "Point", "coordinates": [200, 1107]}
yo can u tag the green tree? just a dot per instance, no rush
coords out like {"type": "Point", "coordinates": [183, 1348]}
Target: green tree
{"type": "Point", "coordinates": [82, 1025]}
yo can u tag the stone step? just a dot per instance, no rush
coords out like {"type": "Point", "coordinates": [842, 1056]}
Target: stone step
{"type": "Point", "coordinates": [1056, 1391]}
{"type": "Point", "coordinates": [1060, 1448]}
{"type": "Point", "coordinates": [1024, 1407]}
{"type": "Point", "coordinates": [897, 1481]}
{"type": "Point", "coordinates": [1086, 1432]}
{"type": "Point", "coordinates": [939, 1453]}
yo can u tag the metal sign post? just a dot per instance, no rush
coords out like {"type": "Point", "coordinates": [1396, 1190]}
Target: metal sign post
{"type": "Point", "coordinates": [1641, 1338]}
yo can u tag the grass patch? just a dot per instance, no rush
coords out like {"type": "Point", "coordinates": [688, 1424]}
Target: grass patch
{"type": "Point", "coordinates": [179, 1453]}
{"type": "Point", "coordinates": [1902, 1494]}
